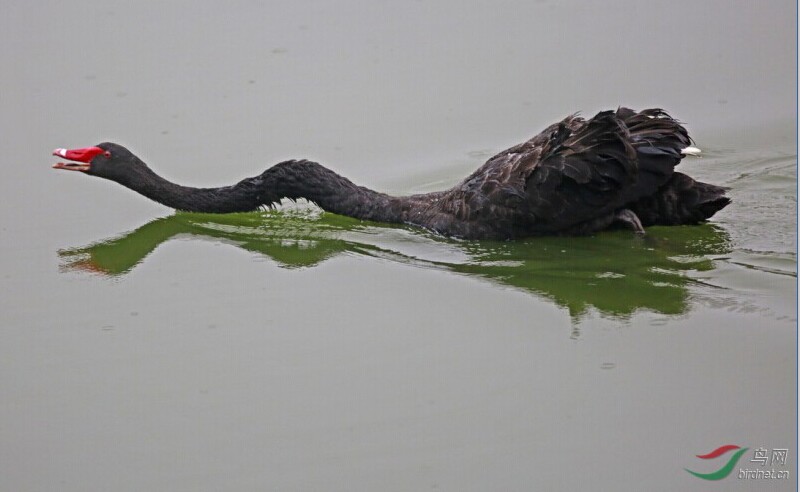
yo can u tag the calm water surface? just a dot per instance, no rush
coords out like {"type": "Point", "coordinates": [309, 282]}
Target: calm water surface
{"type": "Point", "coordinates": [299, 350]}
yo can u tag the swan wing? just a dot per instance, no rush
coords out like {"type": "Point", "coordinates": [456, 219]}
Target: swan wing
{"type": "Point", "coordinates": [589, 169]}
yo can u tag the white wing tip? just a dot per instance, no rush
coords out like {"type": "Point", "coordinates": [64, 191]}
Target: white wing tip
{"type": "Point", "coordinates": [691, 151]}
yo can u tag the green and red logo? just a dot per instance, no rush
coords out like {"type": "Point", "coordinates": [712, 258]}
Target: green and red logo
{"type": "Point", "coordinates": [727, 468]}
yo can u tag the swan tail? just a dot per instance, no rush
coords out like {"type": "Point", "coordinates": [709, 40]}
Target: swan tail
{"type": "Point", "coordinates": [681, 200]}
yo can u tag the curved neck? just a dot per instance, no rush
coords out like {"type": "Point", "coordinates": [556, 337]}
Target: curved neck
{"type": "Point", "coordinates": [291, 179]}
{"type": "Point", "coordinates": [332, 192]}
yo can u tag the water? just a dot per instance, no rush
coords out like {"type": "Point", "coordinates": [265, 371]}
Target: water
{"type": "Point", "coordinates": [293, 349]}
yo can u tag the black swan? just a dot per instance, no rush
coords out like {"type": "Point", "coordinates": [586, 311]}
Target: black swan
{"type": "Point", "coordinates": [576, 177]}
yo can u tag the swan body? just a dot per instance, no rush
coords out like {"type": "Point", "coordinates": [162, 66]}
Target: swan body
{"type": "Point", "coordinates": [578, 176]}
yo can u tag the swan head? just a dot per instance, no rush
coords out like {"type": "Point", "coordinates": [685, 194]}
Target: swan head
{"type": "Point", "coordinates": [106, 160]}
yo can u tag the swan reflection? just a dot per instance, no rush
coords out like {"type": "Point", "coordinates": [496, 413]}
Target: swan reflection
{"type": "Point", "coordinates": [614, 272]}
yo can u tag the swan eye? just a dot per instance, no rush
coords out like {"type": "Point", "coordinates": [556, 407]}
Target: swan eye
{"type": "Point", "coordinates": [107, 154]}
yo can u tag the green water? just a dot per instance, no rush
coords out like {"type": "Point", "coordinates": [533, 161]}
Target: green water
{"type": "Point", "coordinates": [616, 273]}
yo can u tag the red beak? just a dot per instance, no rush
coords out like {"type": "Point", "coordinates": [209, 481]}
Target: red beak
{"type": "Point", "coordinates": [83, 156]}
